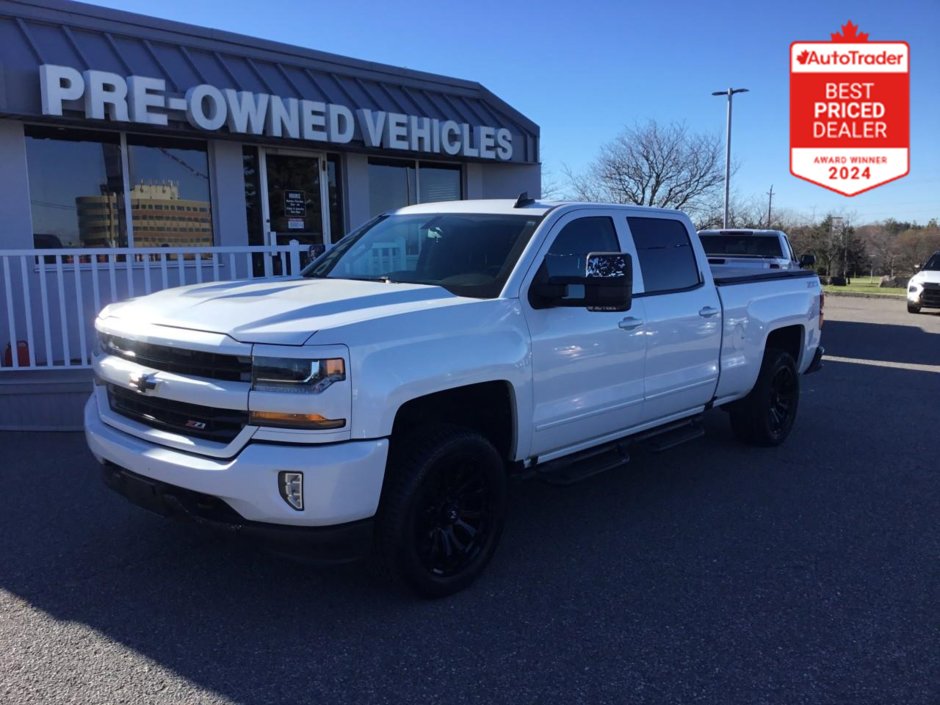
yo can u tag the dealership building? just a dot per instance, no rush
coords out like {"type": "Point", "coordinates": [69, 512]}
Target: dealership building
{"type": "Point", "coordinates": [139, 153]}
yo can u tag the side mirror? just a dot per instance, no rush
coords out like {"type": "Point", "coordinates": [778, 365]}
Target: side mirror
{"type": "Point", "coordinates": [808, 261]}
{"type": "Point", "coordinates": [607, 285]}
{"type": "Point", "coordinates": [916, 267]}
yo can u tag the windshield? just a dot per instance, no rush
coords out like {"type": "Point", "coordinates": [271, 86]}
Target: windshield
{"type": "Point", "coordinates": [933, 264]}
{"type": "Point", "coordinates": [742, 245]}
{"type": "Point", "coordinates": [469, 254]}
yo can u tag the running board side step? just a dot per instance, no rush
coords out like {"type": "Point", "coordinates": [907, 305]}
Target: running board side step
{"type": "Point", "coordinates": [588, 463]}
{"type": "Point", "coordinates": [580, 466]}
{"type": "Point", "coordinates": [675, 437]}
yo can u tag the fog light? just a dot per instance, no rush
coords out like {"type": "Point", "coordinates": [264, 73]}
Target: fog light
{"type": "Point", "coordinates": [291, 487]}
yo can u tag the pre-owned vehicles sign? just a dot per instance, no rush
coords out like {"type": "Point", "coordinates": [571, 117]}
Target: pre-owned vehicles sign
{"type": "Point", "coordinates": [849, 111]}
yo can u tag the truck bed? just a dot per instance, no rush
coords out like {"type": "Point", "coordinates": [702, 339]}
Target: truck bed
{"type": "Point", "coordinates": [753, 303]}
{"type": "Point", "coordinates": [728, 277]}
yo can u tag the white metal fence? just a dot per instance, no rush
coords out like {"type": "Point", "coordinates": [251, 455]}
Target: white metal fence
{"type": "Point", "coordinates": [49, 298]}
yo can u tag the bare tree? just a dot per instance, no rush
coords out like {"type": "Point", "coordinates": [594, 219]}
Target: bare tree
{"type": "Point", "coordinates": [742, 213]}
{"type": "Point", "coordinates": [882, 247]}
{"type": "Point", "coordinates": [653, 165]}
{"type": "Point", "coordinates": [915, 245]}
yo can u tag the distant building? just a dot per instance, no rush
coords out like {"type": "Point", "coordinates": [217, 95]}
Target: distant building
{"type": "Point", "coordinates": [161, 218]}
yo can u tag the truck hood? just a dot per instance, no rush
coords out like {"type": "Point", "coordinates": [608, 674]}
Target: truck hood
{"type": "Point", "coordinates": [278, 312]}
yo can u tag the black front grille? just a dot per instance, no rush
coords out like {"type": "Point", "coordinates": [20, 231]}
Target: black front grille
{"type": "Point", "coordinates": [221, 425]}
{"type": "Point", "coordinates": [931, 294]}
{"type": "Point", "coordinates": [188, 362]}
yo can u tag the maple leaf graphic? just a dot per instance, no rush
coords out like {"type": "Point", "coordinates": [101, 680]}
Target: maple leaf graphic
{"type": "Point", "coordinates": [803, 56]}
{"type": "Point", "coordinates": [849, 33]}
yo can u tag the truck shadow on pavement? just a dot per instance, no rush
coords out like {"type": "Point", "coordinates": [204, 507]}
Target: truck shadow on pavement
{"type": "Point", "coordinates": [884, 342]}
{"type": "Point", "coordinates": [705, 571]}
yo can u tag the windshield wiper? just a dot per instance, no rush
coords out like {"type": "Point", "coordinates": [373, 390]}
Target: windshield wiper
{"type": "Point", "coordinates": [384, 278]}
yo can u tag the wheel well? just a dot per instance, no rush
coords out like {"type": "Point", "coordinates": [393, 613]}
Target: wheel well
{"type": "Point", "coordinates": [486, 408]}
{"type": "Point", "coordinates": [789, 339]}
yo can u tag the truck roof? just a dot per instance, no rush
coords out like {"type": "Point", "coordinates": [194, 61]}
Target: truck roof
{"type": "Point", "coordinates": [742, 231]}
{"type": "Point", "coordinates": [507, 206]}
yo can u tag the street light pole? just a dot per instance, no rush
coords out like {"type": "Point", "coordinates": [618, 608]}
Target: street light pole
{"type": "Point", "coordinates": [730, 92]}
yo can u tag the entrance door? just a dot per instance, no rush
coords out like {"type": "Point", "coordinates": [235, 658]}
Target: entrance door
{"type": "Point", "coordinates": [295, 196]}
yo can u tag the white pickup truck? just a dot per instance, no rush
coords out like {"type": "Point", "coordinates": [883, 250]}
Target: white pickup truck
{"type": "Point", "coordinates": [379, 402]}
{"type": "Point", "coordinates": [740, 248]}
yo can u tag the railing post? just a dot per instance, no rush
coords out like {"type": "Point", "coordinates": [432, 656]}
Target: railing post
{"type": "Point", "coordinates": [294, 258]}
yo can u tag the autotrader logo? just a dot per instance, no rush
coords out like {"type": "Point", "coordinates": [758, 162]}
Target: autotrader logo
{"type": "Point", "coordinates": [849, 58]}
{"type": "Point", "coordinates": [849, 111]}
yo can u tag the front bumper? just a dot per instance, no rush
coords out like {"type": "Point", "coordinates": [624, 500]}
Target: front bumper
{"type": "Point", "coordinates": [339, 543]}
{"type": "Point", "coordinates": [342, 481]}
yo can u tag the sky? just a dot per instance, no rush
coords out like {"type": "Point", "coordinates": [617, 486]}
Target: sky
{"type": "Point", "coordinates": [583, 71]}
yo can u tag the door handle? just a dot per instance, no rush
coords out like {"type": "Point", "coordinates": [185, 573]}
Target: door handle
{"type": "Point", "coordinates": [629, 323]}
{"type": "Point", "coordinates": [708, 312]}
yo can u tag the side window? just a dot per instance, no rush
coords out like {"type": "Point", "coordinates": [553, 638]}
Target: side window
{"type": "Point", "coordinates": [666, 257]}
{"type": "Point", "coordinates": [567, 255]}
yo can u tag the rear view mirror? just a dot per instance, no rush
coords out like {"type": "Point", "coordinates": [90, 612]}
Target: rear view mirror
{"type": "Point", "coordinates": [607, 285]}
{"type": "Point", "coordinates": [808, 260]}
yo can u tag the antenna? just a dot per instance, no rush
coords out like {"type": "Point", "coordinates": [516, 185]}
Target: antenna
{"type": "Point", "coordinates": [524, 200]}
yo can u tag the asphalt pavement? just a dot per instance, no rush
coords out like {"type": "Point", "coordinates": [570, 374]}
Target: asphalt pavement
{"type": "Point", "coordinates": [711, 573]}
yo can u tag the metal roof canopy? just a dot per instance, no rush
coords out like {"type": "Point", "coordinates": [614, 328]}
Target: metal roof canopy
{"type": "Point", "coordinates": [36, 32]}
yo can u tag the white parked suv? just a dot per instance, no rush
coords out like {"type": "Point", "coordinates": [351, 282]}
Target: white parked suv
{"type": "Point", "coordinates": [923, 290]}
{"type": "Point", "coordinates": [379, 402]}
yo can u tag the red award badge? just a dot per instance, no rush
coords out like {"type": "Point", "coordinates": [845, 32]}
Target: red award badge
{"type": "Point", "coordinates": [849, 111]}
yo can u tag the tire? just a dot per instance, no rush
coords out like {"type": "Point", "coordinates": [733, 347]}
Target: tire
{"type": "Point", "coordinates": [442, 510]}
{"type": "Point", "coordinates": [766, 415]}
{"type": "Point", "coordinates": [913, 308]}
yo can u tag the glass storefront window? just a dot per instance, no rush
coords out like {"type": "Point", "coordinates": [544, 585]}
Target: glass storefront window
{"type": "Point", "coordinates": [76, 185]}
{"type": "Point", "coordinates": [438, 183]}
{"type": "Point", "coordinates": [391, 185]}
{"type": "Point", "coordinates": [394, 184]}
{"type": "Point", "coordinates": [170, 202]}
{"type": "Point", "coordinates": [335, 195]}
{"type": "Point", "coordinates": [76, 188]}
{"type": "Point", "coordinates": [253, 213]}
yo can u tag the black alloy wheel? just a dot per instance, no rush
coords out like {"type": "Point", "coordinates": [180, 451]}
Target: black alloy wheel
{"type": "Point", "coordinates": [784, 390]}
{"type": "Point", "coordinates": [442, 509]}
{"type": "Point", "coordinates": [766, 415]}
{"type": "Point", "coordinates": [453, 518]}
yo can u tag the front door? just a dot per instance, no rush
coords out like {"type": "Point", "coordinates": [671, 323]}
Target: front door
{"type": "Point", "coordinates": [295, 186]}
{"type": "Point", "coordinates": [587, 365]}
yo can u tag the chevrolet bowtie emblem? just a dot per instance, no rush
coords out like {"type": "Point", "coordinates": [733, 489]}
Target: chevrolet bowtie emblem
{"type": "Point", "coordinates": [144, 382]}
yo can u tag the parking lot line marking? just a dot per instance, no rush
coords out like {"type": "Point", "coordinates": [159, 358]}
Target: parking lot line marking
{"type": "Point", "coordinates": [884, 363]}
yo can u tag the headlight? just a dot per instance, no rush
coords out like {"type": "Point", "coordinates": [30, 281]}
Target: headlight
{"type": "Point", "coordinates": [285, 374]}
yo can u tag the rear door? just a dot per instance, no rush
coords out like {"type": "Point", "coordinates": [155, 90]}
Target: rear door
{"type": "Point", "coordinates": [587, 365]}
{"type": "Point", "coordinates": [682, 318]}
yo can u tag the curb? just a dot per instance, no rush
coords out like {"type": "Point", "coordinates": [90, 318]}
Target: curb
{"type": "Point", "coordinates": [865, 296]}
